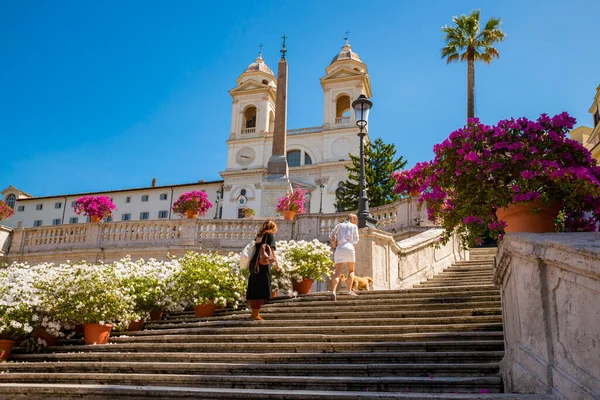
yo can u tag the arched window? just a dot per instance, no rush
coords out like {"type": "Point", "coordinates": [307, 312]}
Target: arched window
{"type": "Point", "coordinates": [342, 109]}
{"type": "Point", "coordinates": [307, 159]}
{"type": "Point", "coordinates": [10, 200]}
{"type": "Point", "coordinates": [250, 118]}
{"type": "Point", "coordinates": [293, 158]}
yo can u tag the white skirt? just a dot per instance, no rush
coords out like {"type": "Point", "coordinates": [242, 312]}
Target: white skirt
{"type": "Point", "coordinates": [344, 254]}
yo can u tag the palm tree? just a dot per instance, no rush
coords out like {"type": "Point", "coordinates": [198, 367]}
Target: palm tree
{"type": "Point", "coordinates": [466, 41]}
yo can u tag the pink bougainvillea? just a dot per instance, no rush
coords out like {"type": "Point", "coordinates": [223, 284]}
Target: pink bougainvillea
{"type": "Point", "coordinates": [292, 201]}
{"type": "Point", "coordinates": [95, 206]}
{"type": "Point", "coordinates": [480, 168]}
{"type": "Point", "coordinates": [5, 211]}
{"type": "Point", "coordinates": [196, 201]}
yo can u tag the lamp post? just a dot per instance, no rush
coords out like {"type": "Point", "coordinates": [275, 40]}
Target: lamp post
{"type": "Point", "coordinates": [321, 186]}
{"type": "Point", "coordinates": [361, 107]}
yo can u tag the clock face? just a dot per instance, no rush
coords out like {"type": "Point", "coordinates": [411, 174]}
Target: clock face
{"type": "Point", "coordinates": [245, 156]}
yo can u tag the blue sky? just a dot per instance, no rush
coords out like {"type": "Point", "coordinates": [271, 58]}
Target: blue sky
{"type": "Point", "coordinates": [107, 95]}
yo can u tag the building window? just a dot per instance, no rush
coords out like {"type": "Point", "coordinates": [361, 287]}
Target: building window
{"type": "Point", "coordinates": [57, 205]}
{"type": "Point", "coordinates": [145, 197]}
{"type": "Point", "coordinates": [293, 158]}
{"type": "Point", "coordinates": [307, 159]}
{"type": "Point", "coordinates": [163, 196]}
{"type": "Point", "coordinates": [597, 116]}
{"type": "Point", "coordinates": [109, 218]}
{"type": "Point", "coordinates": [37, 223]}
{"type": "Point", "coordinates": [88, 219]}
{"type": "Point", "coordinates": [39, 206]}
{"type": "Point", "coordinates": [128, 199]}
{"type": "Point", "coordinates": [11, 200]}
{"type": "Point", "coordinates": [56, 221]}
{"type": "Point", "coordinates": [163, 214]}
{"type": "Point", "coordinates": [144, 215]}
{"type": "Point", "coordinates": [73, 220]}
{"type": "Point", "coordinates": [74, 204]}
{"type": "Point", "coordinates": [240, 213]}
{"type": "Point", "coordinates": [126, 217]}
{"type": "Point", "coordinates": [250, 117]}
{"type": "Point", "coordinates": [21, 208]}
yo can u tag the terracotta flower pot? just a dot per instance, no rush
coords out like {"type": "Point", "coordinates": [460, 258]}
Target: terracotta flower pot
{"type": "Point", "coordinates": [205, 310]}
{"type": "Point", "coordinates": [155, 315]}
{"type": "Point", "coordinates": [135, 325]}
{"type": "Point", "coordinates": [289, 215]}
{"type": "Point", "coordinates": [50, 339]}
{"type": "Point", "coordinates": [95, 218]}
{"type": "Point", "coordinates": [520, 218]}
{"type": "Point", "coordinates": [5, 348]}
{"type": "Point", "coordinates": [96, 333]}
{"type": "Point", "coordinates": [274, 293]}
{"type": "Point", "coordinates": [191, 214]}
{"type": "Point", "coordinates": [303, 287]}
{"type": "Point", "coordinates": [248, 216]}
{"type": "Point", "coordinates": [415, 193]}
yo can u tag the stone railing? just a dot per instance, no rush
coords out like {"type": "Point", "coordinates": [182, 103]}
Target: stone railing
{"type": "Point", "coordinates": [302, 131]}
{"type": "Point", "coordinates": [112, 240]}
{"type": "Point", "coordinates": [5, 239]}
{"type": "Point", "coordinates": [550, 306]}
{"type": "Point", "coordinates": [342, 120]}
{"type": "Point", "coordinates": [249, 130]}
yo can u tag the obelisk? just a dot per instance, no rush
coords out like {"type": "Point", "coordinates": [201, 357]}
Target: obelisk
{"type": "Point", "coordinates": [276, 183]}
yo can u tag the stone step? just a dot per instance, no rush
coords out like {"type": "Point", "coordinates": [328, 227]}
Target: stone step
{"type": "Point", "coordinates": [359, 307]}
{"type": "Point", "coordinates": [308, 322]}
{"type": "Point", "coordinates": [139, 392]}
{"type": "Point", "coordinates": [256, 381]}
{"type": "Point", "coordinates": [294, 338]}
{"type": "Point", "coordinates": [463, 275]}
{"type": "Point", "coordinates": [444, 284]}
{"type": "Point", "coordinates": [180, 344]}
{"type": "Point", "coordinates": [373, 370]}
{"type": "Point", "coordinates": [469, 268]}
{"type": "Point", "coordinates": [341, 314]}
{"type": "Point", "coordinates": [259, 328]}
{"type": "Point", "coordinates": [464, 281]}
{"type": "Point", "coordinates": [419, 357]}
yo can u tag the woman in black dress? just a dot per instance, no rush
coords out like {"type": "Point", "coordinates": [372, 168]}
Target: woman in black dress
{"type": "Point", "coordinates": [259, 282]}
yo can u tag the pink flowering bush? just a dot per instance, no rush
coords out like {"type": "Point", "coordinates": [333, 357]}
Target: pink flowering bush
{"type": "Point", "coordinates": [196, 201]}
{"type": "Point", "coordinates": [292, 201]}
{"type": "Point", "coordinates": [99, 206]}
{"type": "Point", "coordinates": [5, 211]}
{"type": "Point", "coordinates": [479, 169]}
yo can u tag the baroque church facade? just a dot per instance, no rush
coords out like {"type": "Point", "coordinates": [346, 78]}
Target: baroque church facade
{"type": "Point", "coordinates": [316, 156]}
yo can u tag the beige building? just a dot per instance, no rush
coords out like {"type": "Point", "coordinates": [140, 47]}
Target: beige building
{"type": "Point", "coordinates": [316, 155]}
{"type": "Point", "coordinates": [590, 137]}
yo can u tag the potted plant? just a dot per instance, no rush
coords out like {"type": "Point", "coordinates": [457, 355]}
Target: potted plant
{"type": "Point", "coordinates": [151, 283]}
{"type": "Point", "coordinates": [248, 212]}
{"type": "Point", "coordinates": [93, 295]}
{"type": "Point", "coordinates": [305, 262]}
{"type": "Point", "coordinates": [5, 211]}
{"type": "Point", "coordinates": [503, 178]}
{"type": "Point", "coordinates": [292, 203]}
{"type": "Point", "coordinates": [96, 207]}
{"type": "Point", "coordinates": [205, 281]}
{"type": "Point", "coordinates": [192, 204]}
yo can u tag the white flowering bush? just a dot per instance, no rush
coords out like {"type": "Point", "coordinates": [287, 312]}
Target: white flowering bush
{"type": "Point", "coordinates": [302, 259]}
{"type": "Point", "coordinates": [151, 283]}
{"type": "Point", "coordinates": [205, 277]}
{"type": "Point", "coordinates": [88, 293]}
{"type": "Point", "coordinates": [18, 302]}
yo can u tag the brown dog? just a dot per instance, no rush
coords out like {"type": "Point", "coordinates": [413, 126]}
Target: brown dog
{"type": "Point", "coordinates": [359, 283]}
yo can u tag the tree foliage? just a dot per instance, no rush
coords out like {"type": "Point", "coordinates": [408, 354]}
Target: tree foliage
{"type": "Point", "coordinates": [380, 162]}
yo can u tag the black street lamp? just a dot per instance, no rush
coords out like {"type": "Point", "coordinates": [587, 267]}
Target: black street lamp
{"type": "Point", "coordinates": [321, 186]}
{"type": "Point", "coordinates": [362, 106]}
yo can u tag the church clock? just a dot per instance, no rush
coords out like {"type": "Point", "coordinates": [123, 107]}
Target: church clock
{"type": "Point", "coordinates": [245, 156]}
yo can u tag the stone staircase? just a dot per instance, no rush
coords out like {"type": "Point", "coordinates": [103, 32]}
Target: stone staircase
{"type": "Point", "coordinates": [441, 340]}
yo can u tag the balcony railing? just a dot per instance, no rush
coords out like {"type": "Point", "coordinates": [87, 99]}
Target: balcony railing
{"type": "Point", "coordinates": [302, 131]}
{"type": "Point", "coordinates": [249, 130]}
{"type": "Point", "coordinates": [342, 120]}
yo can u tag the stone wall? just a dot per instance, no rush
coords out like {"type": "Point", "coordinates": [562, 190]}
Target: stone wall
{"type": "Point", "coordinates": [399, 265]}
{"type": "Point", "coordinates": [551, 307]}
{"type": "Point", "coordinates": [5, 239]}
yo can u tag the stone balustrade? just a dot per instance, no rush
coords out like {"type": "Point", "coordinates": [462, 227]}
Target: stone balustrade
{"type": "Point", "coordinates": [112, 240]}
{"type": "Point", "coordinates": [551, 308]}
